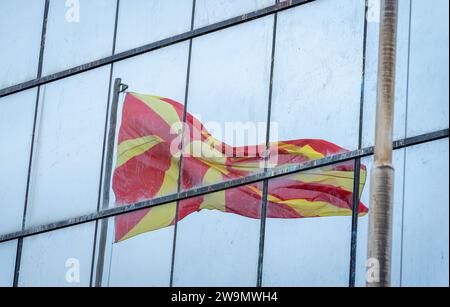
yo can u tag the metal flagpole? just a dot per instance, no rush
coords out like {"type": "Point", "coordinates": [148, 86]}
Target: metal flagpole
{"type": "Point", "coordinates": [381, 198]}
{"type": "Point", "coordinates": [118, 88]}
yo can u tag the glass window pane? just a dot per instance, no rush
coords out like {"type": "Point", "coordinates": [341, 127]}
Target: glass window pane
{"type": "Point", "coordinates": [230, 84]}
{"type": "Point", "coordinates": [143, 260]}
{"type": "Point", "coordinates": [211, 11]}
{"type": "Point", "coordinates": [66, 163]}
{"type": "Point", "coordinates": [224, 80]}
{"type": "Point", "coordinates": [16, 128]}
{"type": "Point", "coordinates": [219, 246]}
{"type": "Point", "coordinates": [308, 227]}
{"type": "Point", "coordinates": [371, 72]}
{"type": "Point", "coordinates": [420, 239]}
{"type": "Point", "coordinates": [363, 222]}
{"type": "Point", "coordinates": [425, 231]}
{"type": "Point", "coordinates": [162, 74]}
{"type": "Point", "coordinates": [142, 22]}
{"type": "Point", "coordinates": [7, 263]}
{"type": "Point", "coordinates": [20, 38]}
{"type": "Point", "coordinates": [317, 99]}
{"type": "Point", "coordinates": [428, 89]}
{"type": "Point", "coordinates": [78, 32]}
{"type": "Point", "coordinates": [319, 96]}
{"type": "Point", "coordinates": [60, 258]}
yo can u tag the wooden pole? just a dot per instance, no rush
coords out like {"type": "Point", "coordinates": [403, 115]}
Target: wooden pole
{"type": "Point", "coordinates": [380, 217]}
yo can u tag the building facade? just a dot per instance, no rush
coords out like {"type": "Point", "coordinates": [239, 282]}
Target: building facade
{"type": "Point", "coordinates": [308, 68]}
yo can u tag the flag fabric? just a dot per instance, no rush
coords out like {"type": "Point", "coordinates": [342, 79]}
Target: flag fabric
{"type": "Point", "coordinates": [148, 162]}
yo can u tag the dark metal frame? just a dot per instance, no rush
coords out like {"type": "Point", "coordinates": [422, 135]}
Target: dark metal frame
{"type": "Point", "coordinates": [405, 133]}
{"type": "Point", "coordinates": [180, 164]}
{"type": "Point", "coordinates": [262, 232]}
{"type": "Point", "coordinates": [103, 212]}
{"type": "Point", "coordinates": [106, 188]}
{"type": "Point", "coordinates": [357, 171]}
{"type": "Point", "coordinates": [105, 151]}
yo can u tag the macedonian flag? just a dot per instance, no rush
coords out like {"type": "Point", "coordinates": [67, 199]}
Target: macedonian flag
{"type": "Point", "coordinates": [148, 161]}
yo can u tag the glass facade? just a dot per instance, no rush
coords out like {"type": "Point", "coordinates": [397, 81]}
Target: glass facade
{"type": "Point", "coordinates": [293, 70]}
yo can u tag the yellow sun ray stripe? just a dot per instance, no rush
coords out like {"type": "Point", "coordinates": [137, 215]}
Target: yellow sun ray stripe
{"type": "Point", "coordinates": [340, 179]}
{"type": "Point", "coordinates": [208, 155]}
{"type": "Point", "coordinates": [307, 208]}
{"type": "Point", "coordinates": [170, 182]}
{"type": "Point", "coordinates": [270, 197]}
{"type": "Point", "coordinates": [214, 200]}
{"type": "Point", "coordinates": [165, 110]}
{"type": "Point", "coordinates": [306, 150]}
{"type": "Point", "coordinates": [248, 167]}
{"type": "Point", "coordinates": [159, 216]}
{"type": "Point", "coordinates": [129, 149]}
{"type": "Point", "coordinates": [315, 208]}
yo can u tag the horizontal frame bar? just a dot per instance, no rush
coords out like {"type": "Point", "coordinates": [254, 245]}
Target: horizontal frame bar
{"type": "Point", "coordinates": [267, 175]}
{"type": "Point", "coordinates": [281, 6]}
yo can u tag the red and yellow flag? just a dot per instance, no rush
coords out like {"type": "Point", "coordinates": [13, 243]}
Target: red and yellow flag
{"type": "Point", "coordinates": [148, 159]}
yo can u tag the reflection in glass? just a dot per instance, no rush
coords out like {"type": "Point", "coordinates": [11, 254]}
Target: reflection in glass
{"type": "Point", "coordinates": [310, 245]}
{"type": "Point", "coordinates": [16, 128]}
{"type": "Point", "coordinates": [228, 88]}
{"type": "Point", "coordinates": [363, 223]}
{"type": "Point", "coordinates": [7, 263]}
{"type": "Point", "coordinates": [147, 166]}
{"type": "Point", "coordinates": [429, 67]}
{"type": "Point", "coordinates": [59, 258]}
{"type": "Point", "coordinates": [78, 32]}
{"type": "Point", "coordinates": [371, 72]}
{"type": "Point", "coordinates": [425, 254]}
{"type": "Point", "coordinates": [69, 137]}
{"type": "Point", "coordinates": [134, 255]}
{"type": "Point", "coordinates": [143, 260]}
{"type": "Point", "coordinates": [319, 96]}
{"type": "Point", "coordinates": [20, 38]}
{"type": "Point", "coordinates": [211, 11]}
{"type": "Point", "coordinates": [142, 22]}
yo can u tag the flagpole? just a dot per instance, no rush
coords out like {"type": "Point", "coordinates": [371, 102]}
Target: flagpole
{"type": "Point", "coordinates": [118, 88]}
{"type": "Point", "coordinates": [381, 198]}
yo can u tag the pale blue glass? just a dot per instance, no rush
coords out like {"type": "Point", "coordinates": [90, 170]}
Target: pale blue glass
{"type": "Point", "coordinates": [142, 22]}
{"type": "Point", "coordinates": [7, 261]}
{"type": "Point", "coordinates": [212, 11]}
{"type": "Point", "coordinates": [67, 159]}
{"type": "Point", "coordinates": [16, 128]}
{"type": "Point", "coordinates": [60, 258]}
{"type": "Point", "coordinates": [20, 40]}
{"type": "Point", "coordinates": [78, 32]}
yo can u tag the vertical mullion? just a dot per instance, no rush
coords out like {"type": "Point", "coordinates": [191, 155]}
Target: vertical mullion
{"type": "Point", "coordinates": [405, 135]}
{"type": "Point", "coordinates": [355, 212]}
{"type": "Point", "coordinates": [180, 162]}
{"type": "Point", "coordinates": [30, 161]}
{"type": "Point", "coordinates": [267, 157]}
{"type": "Point", "coordinates": [105, 132]}
{"type": "Point", "coordinates": [357, 162]}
